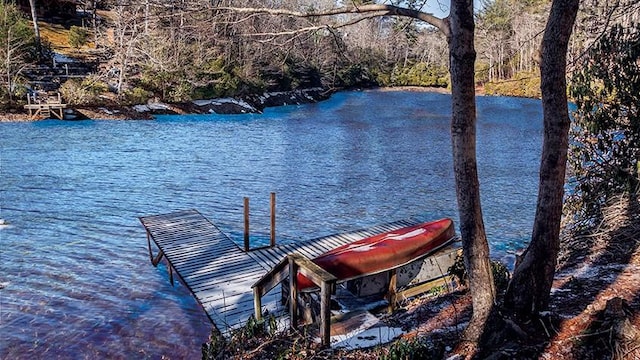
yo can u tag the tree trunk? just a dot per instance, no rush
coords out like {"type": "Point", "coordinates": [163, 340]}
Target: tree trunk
{"type": "Point", "coordinates": [462, 57]}
{"type": "Point", "coordinates": [529, 290]}
{"type": "Point", "coordinates": [36, 27]}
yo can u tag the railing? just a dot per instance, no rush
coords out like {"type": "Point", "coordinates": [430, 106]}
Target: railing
{"type": "Point", "coordinates": [294, 263]}
{"type": "Point", "coordinates": [45, 107]}
{"type": "Point", "coordinates": [290, 266]}
{"type": "Point", "coordinates": [272, 218]}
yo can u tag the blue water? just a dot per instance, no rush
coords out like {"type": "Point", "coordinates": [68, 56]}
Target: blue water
{"type": "Point", "coordinates": [74, 264]}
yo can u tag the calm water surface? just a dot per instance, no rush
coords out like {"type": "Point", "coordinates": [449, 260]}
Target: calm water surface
{"type": "Point", "coordinates": [74, 269]}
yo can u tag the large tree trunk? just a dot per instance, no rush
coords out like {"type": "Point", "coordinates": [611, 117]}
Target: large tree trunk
{"type": "Point", "coordinates": [463, 134]}
{"type": "Point", "coordinates": [529, 290]}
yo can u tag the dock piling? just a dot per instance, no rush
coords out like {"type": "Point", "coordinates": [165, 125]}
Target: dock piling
{"type": "Point", "coordinates": [272, 215]}
{"type": "Point", "coordinates": [246, 224]}
{"type": "Point", "coordinates": [273, 219]}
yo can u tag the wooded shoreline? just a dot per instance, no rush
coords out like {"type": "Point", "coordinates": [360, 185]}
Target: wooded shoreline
{"type": "Point", "coordinates": [221, 106]}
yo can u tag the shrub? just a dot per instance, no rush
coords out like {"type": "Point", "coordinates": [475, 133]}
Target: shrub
{"type": "Point", "coordinates": [501, 274]}
{"type": "Point", "coordinates": [523, 84]}
{"type": "Point", "coordinates": [413, 349]}
{"type": "Point", "coordinates": [78, 36]}
{"type": "Point", "coordinates": [83, 92]}
{"type": "Point", "coordinates": [135, 96]}
{"type": "Point", "coordinates": [420, 74]}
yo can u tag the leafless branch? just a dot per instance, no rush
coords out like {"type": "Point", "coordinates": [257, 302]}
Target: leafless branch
{"type": "Point", "coordinates": [374, 10]}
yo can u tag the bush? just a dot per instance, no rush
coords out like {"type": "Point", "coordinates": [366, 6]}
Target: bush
{"type": "Point", "coordinates": [83, 92]}
{"type": "Point", "coordinates": [523, 84]}
{"type": "Point", "coordinates": [78, 36]}
{"type": "Point", "coordinates": [413, 349]}
{"type": "Point", "coordinates": [136, 96]}
{"type": "Point", "coordinates": [604, 150]}
{"type": "Point", "coordinates": [420, 74]}
{"type": "Point", "coordinates": [501, 274]}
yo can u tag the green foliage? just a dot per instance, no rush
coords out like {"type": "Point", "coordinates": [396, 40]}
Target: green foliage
{"type": "Point", "coordinates": [135, 96]}
{"type": "Point", "coordinates": [523, 84]}
{"type": "Point", "coordinates": [605, 135]}
{"type": "Point", "coordinates": [78, 36]}
{"type": "Point", "coordinates": [252, 333]}
{"type": "Point", "coordinates": [213, 79]}
{"type": "Point", "coordinates": [420, 74]}
{"type": "Point", "coordinates": [168, 84]}
{"type": "Point", "coordinates": [497, 14]}
{"type": "Point", "coordinates": [413, 349]}
{"type": "Point", "coordinates": [458, 269]}
{"type": "Point", "coordinates": [354, 75]}
{"type": "Point", "coordinates": [501, 274]}
{"type": "Point", "coordinates": [15, 29]}
{"type": "Point", "coordinates": [83, 92]}
{"type": "Point", "coordinates": [212, 348]}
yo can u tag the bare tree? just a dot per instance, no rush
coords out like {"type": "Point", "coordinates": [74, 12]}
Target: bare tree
{"type": "Point", "coordinates": [127, 32]}
{"type": "Point", "coordinates": [529, 290]}
{"type": "Point", "coordinates": [16, 40]}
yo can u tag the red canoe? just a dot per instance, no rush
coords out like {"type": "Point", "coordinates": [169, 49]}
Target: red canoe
{"type": "Point", "coordinates": [383, 251]}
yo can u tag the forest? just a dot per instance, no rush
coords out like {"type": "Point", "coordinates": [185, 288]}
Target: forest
{"type": "Point", "coordinates": [175, 51]}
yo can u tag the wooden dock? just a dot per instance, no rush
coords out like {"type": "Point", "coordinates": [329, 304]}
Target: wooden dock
{"type": "Point", "coordinates": [44, 108]}
{"type": "Point", "coordinates": [219, 274]}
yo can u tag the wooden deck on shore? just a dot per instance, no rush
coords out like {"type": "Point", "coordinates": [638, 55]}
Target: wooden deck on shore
{"type": "Point", "coordinates": [44, 108]}
{"type": "Point", "coordinates": [219, 273]}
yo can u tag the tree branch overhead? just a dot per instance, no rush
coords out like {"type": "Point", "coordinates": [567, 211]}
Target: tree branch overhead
{"type": "Point", "coordinates": [371, 10]}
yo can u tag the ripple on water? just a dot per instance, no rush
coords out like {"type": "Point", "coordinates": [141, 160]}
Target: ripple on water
{"type": "Point", "coordinates": [76, 281]}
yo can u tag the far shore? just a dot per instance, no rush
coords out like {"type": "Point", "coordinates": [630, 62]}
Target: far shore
{"type": "Point", "coordinates": [124, 112]}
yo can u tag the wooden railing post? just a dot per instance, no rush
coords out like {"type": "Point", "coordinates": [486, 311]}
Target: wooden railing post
{"type": "Point", "coordinates": [257, 304]}
{"type": "Point", "coordinates": [293, 264]}
{"type": "Point", "coordinates": [246, 224]}
{"type": "Point", "coordinates": [272, 278]}
{"type": "Point", "coordinates": [391, 292]}
{"type": "Point", "coordinates": [273, 219]}
{"type": "Point", "coordinates": [293, 291]}
{"type": "Point", "coordinates": [325, 312]}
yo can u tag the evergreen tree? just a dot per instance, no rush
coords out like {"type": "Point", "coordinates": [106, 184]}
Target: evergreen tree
{"type": "Point", "coordinates": [605, 151]}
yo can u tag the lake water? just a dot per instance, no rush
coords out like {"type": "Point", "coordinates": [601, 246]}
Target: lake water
{"type": "Point", "coordinates": [74, 269]}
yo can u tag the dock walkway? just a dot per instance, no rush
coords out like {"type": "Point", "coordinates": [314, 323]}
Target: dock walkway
{"type": "Point", "coordinates": [218, 272]}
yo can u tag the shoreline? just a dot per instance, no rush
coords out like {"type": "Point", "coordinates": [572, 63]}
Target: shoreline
{"type": "Point", "coordinates": [221, 106]}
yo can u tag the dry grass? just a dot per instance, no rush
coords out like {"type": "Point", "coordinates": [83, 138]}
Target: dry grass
{"type": "Point", "coordinates": [58, 36]}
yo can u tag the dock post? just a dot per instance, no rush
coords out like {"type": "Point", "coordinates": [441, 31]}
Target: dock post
{"type": "Point", "coordinates": [293, 292]}
{"type": "Point", "coordinates": [246, 224]}
{"type": "Point", "coordinates": [392, 291]}
{"type": "Point", "coordinates": [273, 219]}
{"type": "Point", "coordinates": [257, 304]}
{"type": "Point", "coordinates": [325, 312]}
{"type": "Point", "coordinates": [29, 102]}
